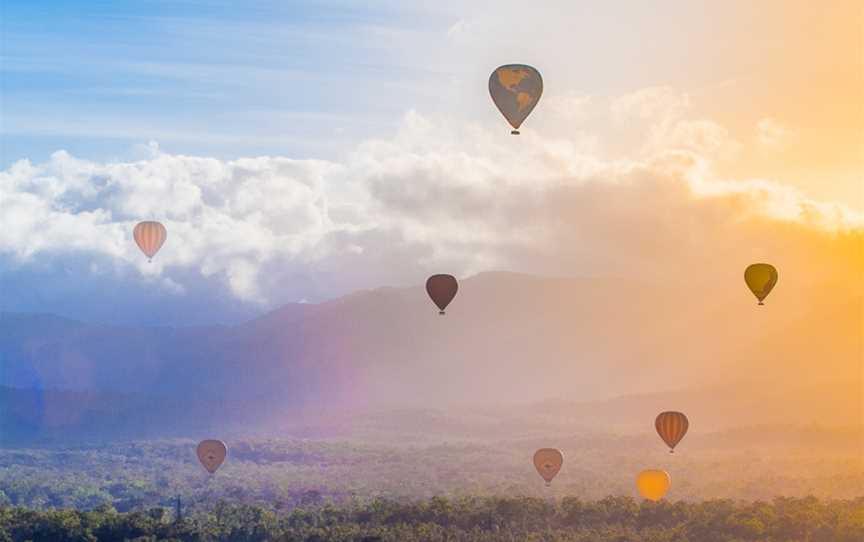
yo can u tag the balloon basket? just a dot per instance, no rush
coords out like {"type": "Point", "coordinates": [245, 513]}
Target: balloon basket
{"type": "Point", "coordinates": [441, 312]}
{"type": "Point", "coordinates": [760, 303]}
{"type": "Point", "coordinates": [548, 484]}
{"type": "Point", "coordinates": [514, 132]}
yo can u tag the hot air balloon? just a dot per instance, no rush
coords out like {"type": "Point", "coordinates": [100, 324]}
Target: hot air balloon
{"type": "Point", "coordinates": [442, 289]}
{"type": "Point", "coordinates": [671, 426]}
{"type": "Point", "coordinates": [760, 278]}
{"type": "Point", "coordinates": [515, 89]}
{"type": "Point", "coordinates": [150, 236]}
{"type": "Point", "coordinates": [548, 462]}
{"type": "Point", "coordinates": [211, 454]}
{"type": "Point", "coordinates": [653, 484]}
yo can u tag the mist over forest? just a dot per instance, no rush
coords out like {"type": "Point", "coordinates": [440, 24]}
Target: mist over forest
{"type": "Point", "coordinates": [328, 403]}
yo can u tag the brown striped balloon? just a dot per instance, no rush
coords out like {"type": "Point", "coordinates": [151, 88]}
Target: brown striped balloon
{"type": "Point", "coordinates": [150, 236]}
{"type": "Point", "coordinates": [671, 426]}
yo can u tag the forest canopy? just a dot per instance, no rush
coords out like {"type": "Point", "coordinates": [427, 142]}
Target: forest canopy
{"type": "Point", "coordinates": [618, 519]}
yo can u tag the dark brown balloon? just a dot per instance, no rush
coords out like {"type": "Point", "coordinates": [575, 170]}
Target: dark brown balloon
{"type": "Point", "coordinates": [211, 454]}
{"type": "Point", "coordinates": [671, 426]}
{"type": "Point", "coordinates": [442, 289]}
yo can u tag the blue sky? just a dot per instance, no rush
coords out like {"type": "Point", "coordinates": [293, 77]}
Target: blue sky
{"type": "Point", "coordinates": [224, 78]}
{"type": "Point", "coordinates": [305, 79]}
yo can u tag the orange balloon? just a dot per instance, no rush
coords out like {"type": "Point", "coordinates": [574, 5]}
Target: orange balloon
{"type": "Point", "coordinates": [653, 484]}
{"type": "Point", "coordinates": [211, 454]}
{"type": "Point", "coordinates": [150, 236]}
{"type": "Point", "coordinates": [548, 462]}
{"type": "Point", "coordinates": [671, 426]}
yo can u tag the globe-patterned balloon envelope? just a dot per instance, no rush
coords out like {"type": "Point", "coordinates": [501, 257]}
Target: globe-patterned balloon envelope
{"type": "Point", "coordinates": [515, 89]}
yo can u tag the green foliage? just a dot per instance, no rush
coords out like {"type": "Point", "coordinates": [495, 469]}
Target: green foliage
{"type": "Point", "coordinates": [469, 519]}
{"type": "Point", "coordinates": [287, 473]}
{"type": "Point", "coordinates": [307, 490]}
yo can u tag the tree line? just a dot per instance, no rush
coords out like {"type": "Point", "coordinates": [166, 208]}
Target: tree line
{"type": "Point", "coordinates": [468, 519]}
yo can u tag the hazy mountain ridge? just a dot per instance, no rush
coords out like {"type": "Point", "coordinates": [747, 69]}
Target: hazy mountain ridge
{"type": "Point", "coordinates": [507, 339]}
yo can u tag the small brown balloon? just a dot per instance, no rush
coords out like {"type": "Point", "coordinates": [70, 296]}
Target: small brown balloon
{"type": "Point", "coordinates": [671, 426]}
{"type": "Point", "coordinates": [442, 289]}
{"type": "Point", "coordinates": [211, 454]}
{"type": "Point", "coordinates": [548, 462]}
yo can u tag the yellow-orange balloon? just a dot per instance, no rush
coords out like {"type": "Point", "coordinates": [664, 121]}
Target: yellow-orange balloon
{"type": "Point", "coordinates": [653, 484]}
{"type": "Point", "coordinates": [761, 279]}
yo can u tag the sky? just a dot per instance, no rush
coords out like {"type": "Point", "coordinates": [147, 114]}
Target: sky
{"type": "Point", "coordinates": [298, 151]}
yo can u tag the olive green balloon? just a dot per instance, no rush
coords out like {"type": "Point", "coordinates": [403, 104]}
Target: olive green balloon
{"type": "Point", "coordinates": [761, 279]}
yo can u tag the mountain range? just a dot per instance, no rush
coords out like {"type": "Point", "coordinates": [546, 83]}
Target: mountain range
{"type": "Point", "coordinates": [580, 351]}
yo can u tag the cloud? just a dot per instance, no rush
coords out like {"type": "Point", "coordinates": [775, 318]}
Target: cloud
{"type": "Point", "coordinates": [260, 231]}
{"type": "Point", "coordinates": [661, 114]}
{"type": "Point", "coordinates": [652, 103]}
{"type": "Point", "coordinates": [571, 106]}
{"type": "Point", "coordinates": [703, 137]}
{"type": "Point", "coordinates": [771, 135]}
{"type": "Point", "coordinates": [458, 29]}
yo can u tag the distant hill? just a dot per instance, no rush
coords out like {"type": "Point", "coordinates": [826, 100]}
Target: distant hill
{"type": "Point", "coordinates": [507, 339]}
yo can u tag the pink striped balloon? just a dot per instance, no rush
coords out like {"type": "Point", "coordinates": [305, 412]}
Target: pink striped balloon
{"type": "Point", "coordinates": [150, 236]}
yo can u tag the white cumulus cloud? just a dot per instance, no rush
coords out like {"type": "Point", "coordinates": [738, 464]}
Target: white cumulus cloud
{"type": "Point", "coordinates": [438, 196]}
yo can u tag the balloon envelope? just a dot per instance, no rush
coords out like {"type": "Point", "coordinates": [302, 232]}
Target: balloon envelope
{"type": "Point", "coordinates": [442, 289]}
{"type": "Point", "coordinates": [515, 89]}
{"type": "Point", "coordinates": [671, 426]}
{"type": "Point", "coordinates": [150, 236]}
{"type": "Point", "coordinates": [653, 484]}
{"type": "Point", "coordinates": [548, 462]}
{"type": "Point", "coordinates": [211, 454]}
{"type": "Point", "coordinates": [760, 278]}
